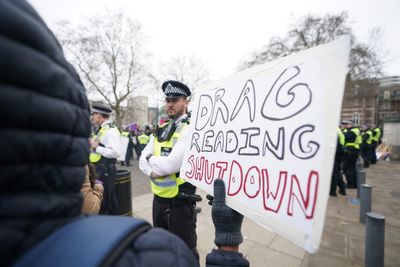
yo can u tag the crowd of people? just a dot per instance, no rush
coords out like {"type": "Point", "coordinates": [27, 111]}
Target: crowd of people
{"type": "Point", "coordinates": [353, 142]}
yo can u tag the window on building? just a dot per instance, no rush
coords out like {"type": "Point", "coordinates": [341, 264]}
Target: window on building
{"type": "Point", "coordinates": [386, 105]}
{"type": "Point", "coordinates": [386, 94]}
{"type": "Point", "coordinates": [356, 118]}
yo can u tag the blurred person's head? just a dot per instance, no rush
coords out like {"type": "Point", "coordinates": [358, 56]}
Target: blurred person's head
{"type": "Point", "coordinates": [100, 113]}
{"type": "Point", "coordinates": [44, 139]}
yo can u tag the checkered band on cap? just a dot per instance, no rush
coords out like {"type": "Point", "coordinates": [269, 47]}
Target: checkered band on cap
{"type": "Point", "coordinates": [169, 89]}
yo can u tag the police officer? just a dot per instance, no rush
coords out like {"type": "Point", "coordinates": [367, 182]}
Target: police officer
{"type": "Point", "coordinates": [366, 145]}
{"type": "Point", "coordinates": [376, 140]}
{"type": "Point", "coordinates": [337, 179]}
{"type": "Point", "coordinates": [174, 199]}
{"type": "Point", "coordinates": [142, 141]}
{"type": "Point", "coordinates": [105, 147]}
{"type": "Point", "coordinates": [352, 147]}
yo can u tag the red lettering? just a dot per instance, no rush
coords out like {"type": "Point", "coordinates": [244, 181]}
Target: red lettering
{"type": "Point", "coordinates": [235, 179]}
{"type": "Point", "coordinates": [199, 168]}
{"type": "Point", "coordinates": [222, 166]}
{"type": "Point", "coordinates": [191, 173]}
{"type": "Point", "coordinates": [209, 175]}
{"type": "Point", "coordinates": [273, 200]}
{"type": "Point", "coordinates": [307, 204]}
{"type": "Point", "coordinates": [252, 185]}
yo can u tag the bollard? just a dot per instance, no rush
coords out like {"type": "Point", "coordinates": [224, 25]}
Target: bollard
{"type": "Point", "coordinates": [374, 240]}
{"type": "Point", "coordinates": [123, 191]}
{"type": "Point", "coordinates": [360, 181]}
{"type": "Point", "coordinates": [359, 165]}
{"type": "Point", "coordinates": [365, 201]}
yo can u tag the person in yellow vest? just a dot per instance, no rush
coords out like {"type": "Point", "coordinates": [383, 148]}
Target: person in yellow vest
{"type": "Point", "coordinates": [142, 141]}
{"type": "Point", "coordinates": [352, 147]}
{"type": "Point", "coordinates": [105, 147]}
{"type": "Point", "coordinates": [376, 140]}
{"type": "Point", "coordinates": [174, 199]}
{"type": "Point", "coordinates": [366, 145]}
{"type": "Point", "coordinates": [337, 179]}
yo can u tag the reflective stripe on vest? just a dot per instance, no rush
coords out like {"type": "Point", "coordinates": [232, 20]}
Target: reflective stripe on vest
{"type": "Point", "coordinates": [168, 186]}
{"type": "Point", "coordinates": [370, 137]}
{"type": "Point", "coordinates": [376, 134]}
{"type": "Point", "coordinates": [143, 139]}
{"type": "Point", "coordinates": [95, 157]}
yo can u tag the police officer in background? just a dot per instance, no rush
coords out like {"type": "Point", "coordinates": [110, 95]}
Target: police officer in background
{"type": "Point", "coordinates": [352, 151]}
{"type": "Point", "coordinates": [142, 141]}
{"type": "Point", "coordinates": [105, 148]}
{"type": "Point", "coordinates": [174, 199]}
{"type": "Point", "coordinates": [376, 140]}
{"type": "Point", "coordinates": [366, 145]}
{"type": "Point", "coordinates": [337, 179]}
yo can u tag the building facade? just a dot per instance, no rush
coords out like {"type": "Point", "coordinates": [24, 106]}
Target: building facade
{"type": "Point", "coordinates": [389, 100]}
{"type": "Point", "coordinates": [137, 111]}
{"type": "Point", "coordinates": [360, 101]}
{"type": "Point", "coordinates": [372, 101]}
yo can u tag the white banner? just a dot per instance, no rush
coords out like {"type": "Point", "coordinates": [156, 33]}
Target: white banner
{"type": "Point", "coordinates": [124, 147]}
{"type": "Point", "coordinates": [270, 133]}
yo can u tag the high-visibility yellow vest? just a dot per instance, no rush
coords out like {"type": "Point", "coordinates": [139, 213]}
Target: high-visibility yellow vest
{"type": "Point", "coordinates": [143, 139]}
{"type": "Point", "coordinates": [370, 137]}
{"type": "Point", "coordinates": [124, 134]}
{"type": "Point", "coordinates": [357, 141]}
{"type": "Point", "coordinates": [167, 186]}
{"type": "Point", "coordinates": [95, 157]}
{"type": "Point", "coordinates": [376, 134]}
{"type": "Point", "coordinates": [341, 136]}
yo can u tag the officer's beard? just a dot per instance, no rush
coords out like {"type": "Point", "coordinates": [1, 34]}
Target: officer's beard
{"type": "Point", "coordinates": [174, 116]}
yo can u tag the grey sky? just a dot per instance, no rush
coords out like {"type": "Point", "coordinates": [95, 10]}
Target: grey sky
{"type": "Point", "coordinates": [223, 32]}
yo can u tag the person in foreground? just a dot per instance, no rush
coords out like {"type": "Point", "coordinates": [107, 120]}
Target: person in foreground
{"type": "Point", "coordinates": [45, 148]}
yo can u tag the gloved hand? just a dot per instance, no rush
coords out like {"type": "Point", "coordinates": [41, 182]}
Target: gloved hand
{"type": "Point", "coordinates": [227, 222]}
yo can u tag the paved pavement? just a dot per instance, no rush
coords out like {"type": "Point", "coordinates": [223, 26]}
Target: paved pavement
{"type": "Point", "coordinates": [343, 241]}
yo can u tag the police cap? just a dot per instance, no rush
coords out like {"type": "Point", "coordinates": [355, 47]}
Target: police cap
{"type": "Point", "coordinates": [175, 89]}
{"type": "Point", "coordinates": [101, 108]}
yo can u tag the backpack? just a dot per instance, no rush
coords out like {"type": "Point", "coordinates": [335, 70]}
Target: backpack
{"type": "Point", "coordinates": [90, 241]}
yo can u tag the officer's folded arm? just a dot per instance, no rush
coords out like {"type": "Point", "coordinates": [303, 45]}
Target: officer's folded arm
{"type": "Point", "coordinates": [163, 166]}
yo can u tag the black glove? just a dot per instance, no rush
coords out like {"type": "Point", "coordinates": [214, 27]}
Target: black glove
{"type": "Point", "coordinates": [227, 222]}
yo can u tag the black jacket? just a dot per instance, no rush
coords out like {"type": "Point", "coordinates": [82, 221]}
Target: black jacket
{"type": "Point", "coordinates": [44, 132]}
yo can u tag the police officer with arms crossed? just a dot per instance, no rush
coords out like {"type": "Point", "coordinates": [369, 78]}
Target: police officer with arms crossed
{"type": "Point", "coordinates": [174, 199]}
{"type": "Point", "coordinates": [105, 148]}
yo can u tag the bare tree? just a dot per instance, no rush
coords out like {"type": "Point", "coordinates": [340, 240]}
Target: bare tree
{"type": "Point", "coordinates": [107, 50]}
{"type": "Point", "coordinates": [310, 31]}
{"type": "Point", "coordinates": [187, 69]}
